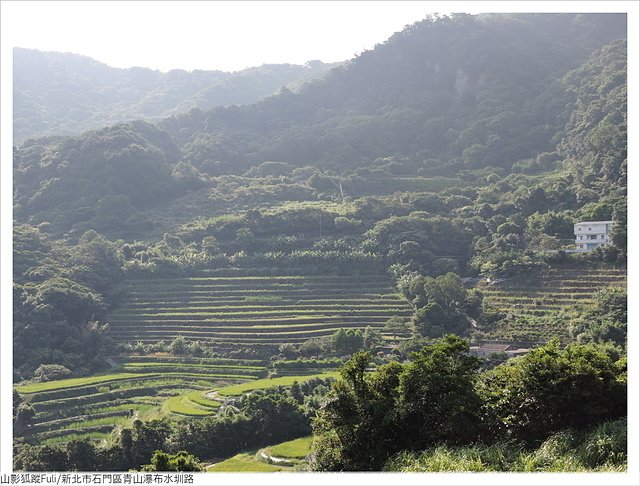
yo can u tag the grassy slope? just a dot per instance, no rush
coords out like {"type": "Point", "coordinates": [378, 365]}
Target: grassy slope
{"type": "Point", "coordinates": [270, 383]}
{"type": "Point", "coordinates": [245, 462]}
{"type": "Point", "coordinates": [77, 382]}
{"type": "Point", "coordinates": [294, 449]}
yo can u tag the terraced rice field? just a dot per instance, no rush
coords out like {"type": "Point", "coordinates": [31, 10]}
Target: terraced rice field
{"type": "Point", "coordinates": [252, 310]}
{"type": "Point", "coordinates": [143, 387]}
{"type": "Point", "coordinates": [279, 457]}
{"type": "Point", "coordinates": [535, 305]}
{"type": "Point", "coordinates": [234, 390]}
{"type": "Point", "coordinates": [293, 449]}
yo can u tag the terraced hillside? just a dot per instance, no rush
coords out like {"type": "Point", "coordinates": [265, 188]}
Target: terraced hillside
{"type": "Point", "coordinates": [248, 310]}
{"type": "Point", "coordinates": [142, 387]}
{"type": "Point", "coordinates": [535, 305]}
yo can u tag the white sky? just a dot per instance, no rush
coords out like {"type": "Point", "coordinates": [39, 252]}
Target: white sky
{"type": "Point", "coordinates": [209, 35]}
{"type": "Point", "coordinates": [228, 35]}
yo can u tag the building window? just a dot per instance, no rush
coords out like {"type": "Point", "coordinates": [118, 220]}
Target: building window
{"type": "Point", "coordinates": [593, 237]}
{"type": "Point", "coordinates": [579, 229]}
{"type": "Point", "coordinates": [602, 237]}
{"type": "Point", "coordinates": [589, 229]}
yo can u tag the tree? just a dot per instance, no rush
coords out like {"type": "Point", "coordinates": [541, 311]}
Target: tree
{"type": "Point", "coordinates": [24, 416]}
{"type": "Point", "coordinates": [275, 417]}
{"type": "Point", "coordinates": [396, 326]}
{"type": "Point", "coordinates": [430, 320]}
{"type": "Point", "coordinates": [181, 461]}
{"type": "Point", "coordinates": [139, 442]}
{"type": "Point", "coordinates": [368, 417]}
{"type": "Point", "coordinates": [210, 246]}
{"type": "Point", "coordinates": [355, 430]}
{"type": "Point", "coordinates": [605, 320]}
{"type": "Point", "coordinates": [372, 338]}
{"type": "Point", "coordinates": [347, 341]}
{"type": "Point", "coordinates": [444, 308]}
{"type": "Point", "coordinates": [619, 230]}
{"type": "Point", "coordinates": [82, 456]}
{"type": "Point", "coordinates": [441, 266]}
{"type": "Point", "coordinates": [178, 345]}
{"type": "Point", "coordinates": [446, 290]}
{"type": "Point", "coordinates": [437, 401]}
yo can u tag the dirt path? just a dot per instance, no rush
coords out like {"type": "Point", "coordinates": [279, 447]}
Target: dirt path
{"type": "Point", "coordinates": [275, 460]}
{"type": "Point", "coordinates": [213, 395]}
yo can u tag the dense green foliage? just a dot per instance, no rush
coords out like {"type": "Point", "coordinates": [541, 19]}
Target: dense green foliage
{"type": "Point", "coordinates": [442, 304]}
{"type": "Point", "coordinates": [441, 398]}
{"type": "Point", "coordinates": [61, 295]}
{"type": "Point", "coordinates": [602, 449]}
{"type": "Point", "coordinates": [605, 320]}
{"type": "Point", "coordinates": [552, 388]}
{"type": "Point", "coordinates": [456, 92]}
{"type": "Point", "coordinates": [181, 461]}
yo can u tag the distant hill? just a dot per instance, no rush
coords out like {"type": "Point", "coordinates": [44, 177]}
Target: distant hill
{"type": "Point", "coordinates": [64, 94]}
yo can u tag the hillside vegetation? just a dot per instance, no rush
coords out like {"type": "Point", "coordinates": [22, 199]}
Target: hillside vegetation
{"type": "Point", "coordinates": [537, 307]}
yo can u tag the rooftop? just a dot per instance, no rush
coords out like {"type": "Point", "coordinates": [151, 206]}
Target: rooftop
{"type": "Point", "coordinates": [595, 222]}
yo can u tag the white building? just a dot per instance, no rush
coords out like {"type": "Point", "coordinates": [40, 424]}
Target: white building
{"type": "Point", "coordinates": [592, 234]}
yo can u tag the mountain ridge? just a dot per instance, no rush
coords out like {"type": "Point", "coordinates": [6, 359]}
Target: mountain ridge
{"type": "Point", "coordinates": [103, 95]}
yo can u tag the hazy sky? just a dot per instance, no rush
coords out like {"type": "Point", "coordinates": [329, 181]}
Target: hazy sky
{"type": "Point", "coordinates": [209, 35]}
{"type": "Point", "coordinates": [229, 35]}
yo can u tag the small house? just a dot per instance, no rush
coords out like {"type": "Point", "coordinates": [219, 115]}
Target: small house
{"type": "Point", "coordinates": [592, 234]}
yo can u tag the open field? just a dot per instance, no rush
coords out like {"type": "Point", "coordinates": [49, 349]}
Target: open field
{"type": "Point", "coordinates": [270, 383]}
{"type": "Point", "coordinates": [279, 457]}
{"type": "Point", "coordinates": [183, 405]}
{"type": "Point", "coordinates": [294, 449]}
{"type": "Point", "coordinates": [252, 310]}
{"type": "Point", "coordinates": [75, 382]}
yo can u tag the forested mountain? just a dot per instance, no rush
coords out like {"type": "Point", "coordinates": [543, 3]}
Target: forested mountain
{"type": "Point", "coordinates": [468, 91]}
{"type": "Point", "coordinates": [63, 94]}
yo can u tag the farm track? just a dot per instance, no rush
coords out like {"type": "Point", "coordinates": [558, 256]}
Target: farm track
{"type": "Point", "coordinates": [85, 410]}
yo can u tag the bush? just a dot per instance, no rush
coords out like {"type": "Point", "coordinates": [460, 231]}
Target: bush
{"type": "Point", "coordinates": [181, 461]}
{"type": "Point", "coordinates": [550, 389]}
{"type": "Point", "coordinates": [49, 372]}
